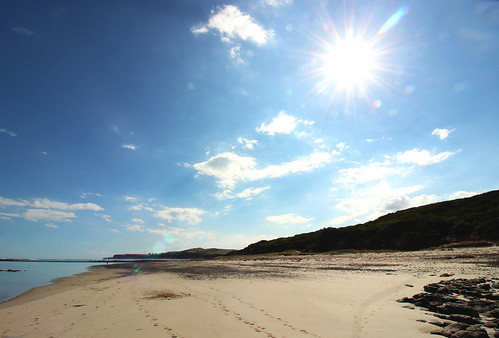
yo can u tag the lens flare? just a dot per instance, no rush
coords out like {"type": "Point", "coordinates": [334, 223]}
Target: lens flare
{"type": "Point", "coordinates": [377, 103]}
{"type": "Point", "coordinates": [168, 239]}
{"type": "Point", "coordinates": [393, 20]}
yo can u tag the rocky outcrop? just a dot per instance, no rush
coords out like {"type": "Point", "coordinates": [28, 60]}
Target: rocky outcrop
{"type": "Point", "coordinates": [465, 307]}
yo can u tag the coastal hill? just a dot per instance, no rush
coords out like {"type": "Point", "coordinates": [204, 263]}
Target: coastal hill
{"type": "Point", "coordinates": [474, 219]}
{"type": "Point", "coordinates": [195, 253]}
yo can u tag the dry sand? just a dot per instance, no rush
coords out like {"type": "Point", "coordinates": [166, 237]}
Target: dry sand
{"type": "Point", "coordinates": [347, 295]}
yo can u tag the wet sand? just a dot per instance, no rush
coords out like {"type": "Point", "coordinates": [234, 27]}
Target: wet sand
{"type": "Point", "coordinates": [347, 295]}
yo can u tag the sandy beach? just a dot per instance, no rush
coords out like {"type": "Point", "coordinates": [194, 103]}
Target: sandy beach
{"type": "Point", "coordinates": [347, 295]}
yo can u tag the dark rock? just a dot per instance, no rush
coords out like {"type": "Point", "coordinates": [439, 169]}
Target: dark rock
{"type": "Point", "coordinates": [493, 313]}
{"type": "Point", "coordinates": [441, 333]}
{"type": "Point", "coordinates": [463, 319]}
{"type": "Point", "coordinates": [446, 275]}
{"type": "Point", "coordinates": [443, 290]}
{"type": "Point", "coordinates": [474, 331]}
{"type": "Point", "coordinates": [432, 288]}
{"type": "Point", "coordinates": [459, 309]}
{"type": "Point", "coordinates": [439, 323]}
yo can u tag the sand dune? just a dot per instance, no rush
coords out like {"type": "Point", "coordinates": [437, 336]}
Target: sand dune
{"type": "Point", "coordinates": [348, 295]}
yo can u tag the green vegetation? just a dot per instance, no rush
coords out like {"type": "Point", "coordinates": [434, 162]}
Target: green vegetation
{"type": "Point", "coordinates": [474, 219]}
{"type": "Point", "coordinates": [195, 253]}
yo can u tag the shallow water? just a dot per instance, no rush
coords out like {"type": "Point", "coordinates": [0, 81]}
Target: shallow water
{"type": "Point", "coordinates": [34, 274]}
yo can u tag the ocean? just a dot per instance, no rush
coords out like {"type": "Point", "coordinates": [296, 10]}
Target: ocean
{"type": "Point", "coordinates": [34, 274]}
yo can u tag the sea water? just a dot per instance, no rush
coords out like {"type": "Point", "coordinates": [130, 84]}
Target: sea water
{"type": "Point", "coordinates": [33, 274]}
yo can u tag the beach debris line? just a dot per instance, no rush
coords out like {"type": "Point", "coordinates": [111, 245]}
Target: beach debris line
{"type": "Point", "coordinates": [465, 307]}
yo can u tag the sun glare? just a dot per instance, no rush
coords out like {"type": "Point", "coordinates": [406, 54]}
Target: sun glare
{"type": "Point", "coordinates": [348, 64]}
{"type": "Point", "coordinates": [355, 63]}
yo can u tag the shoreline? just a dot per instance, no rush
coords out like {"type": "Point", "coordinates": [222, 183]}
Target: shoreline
{"type": "Point", "coordinates": [347, 295]}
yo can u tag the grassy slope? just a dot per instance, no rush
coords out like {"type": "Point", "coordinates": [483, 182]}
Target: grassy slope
{"type": "Point", "coordinates": [468, 219]}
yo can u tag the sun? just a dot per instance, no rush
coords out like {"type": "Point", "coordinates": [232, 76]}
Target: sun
{"type": "Point", "coordinates": [349, 64]}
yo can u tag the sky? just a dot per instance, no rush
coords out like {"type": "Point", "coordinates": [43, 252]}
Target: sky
{"type": "Point", "coordinates": [153, 126]}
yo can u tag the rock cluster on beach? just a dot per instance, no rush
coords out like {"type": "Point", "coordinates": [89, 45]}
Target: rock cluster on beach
{"type": "Point", "coordinates": [466, 307]}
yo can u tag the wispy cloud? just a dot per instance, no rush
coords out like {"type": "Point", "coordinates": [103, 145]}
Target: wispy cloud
{"type": "Point", "coordinates": [51, 225]}
{"type": "Point", "coordinates": [229, 168]}
{"type": "Point", "coordinates": [422, 157]}
{"type": "Point", "coordinates": [366, 173]}
{"type": "Point", "coordinates": [129, 146]}
{"type": "Point", "coordinates": [8, 215]}
{"type": "Point", "coordinates": [48, 204]}
{"type": "Point", "coordinates": [23, 31]}
{"type": "Point", "coordinates": [368, 203]}
{"type": "Point", "coordinates": [88, 194]}
{"type": "Point", "coordinates": [288, 219]}
{"type": "Point", "coordinates": [44, 209]}
{"type": "Point", "coordinates": [232, 24]}
{"type": "Point", "coordinates": [8, 132]}
{"type": "Point", "coordinates": [442, 133]}
{"type": "Point", "coordinates": [276, 3]}
{"type": "Point", "coordinates": [282, 124]}
{"type": "Point", "coordinates": [135, 227]}
{"type": "Point", "coordinates": [7, 202]}
{"type": "Point", "coordinates": [189, 215]}
{"type": "Point", "coordinates": [247, 143]}
{"type": "Point", "coordinates": [247, 194]}
{"type": "Point", "coordinates": [462, 194]}
{"type": "Point", "coordinates": [35, 215]}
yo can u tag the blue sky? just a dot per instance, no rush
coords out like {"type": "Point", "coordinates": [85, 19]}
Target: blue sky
{"type": "Point", "coordinates": [155, 126]}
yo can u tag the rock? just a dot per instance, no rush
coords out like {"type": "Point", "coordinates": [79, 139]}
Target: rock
{"type": "Point", "coordinates": [460, 309]}
{"type": "Point", "coordinates": [431, 288]}
{"type": "Point", "coordinates": [439, 323]}
{"type": "Point", "coordinates": [446, 275]}
{"type": "Point", "coordinates": [493, 313]}
{"type": "Point", "coordinates": [474, 331]}
{"type": "Point", "coordinates": [463, 319]}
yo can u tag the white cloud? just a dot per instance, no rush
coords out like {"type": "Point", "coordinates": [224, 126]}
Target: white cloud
{"type": "Point", "coordinates": [115, 231]}
{"type": "Point", "coordinates": [281, 124]}
{"type": "Point", "coordinates": [366, 173]}
{"type": "Point", "coordinates": [8, 132]}
{"type": "Point", "coordinates": [230, 168]}
{"type": "Point", "coordinates": [462, 194]}
{"type": "Point", "coordinates": [442, 133]}
{"type": "Point", "coordinates": [137, 220]}
{"type": "Point", "coordinates": [23, 31]}
{"type": "Point", "coordinates": [129, 146]}
{"type": "Point", "coordinates": [342, 146]}
{"type": "Point", "coordinates": [134, 227]}
{"type": "Point", "coordinates": [160, 232]}
{"type": "Point", "coordinates": [48, 204]}
{"type": "Point", "coordinates": [248, 193]}
{"type": "Point", "coordinates": [51, 225]}
{"type": "Point", "coordinates": [231, 24]}
{"type": "Point", "coordinates": [189, 215]}
{"type": "Point", "coordinates": [10, 202]}
{"type": "Point", "coordinates": [422, 156]}
{"type": "Point", "coordinates": [130, 199]}
{"type": "Point", "coordinates": [248, 144]}
{"type": "Point", "coordinates": [405, 202]}
{"type": "Point", "coordinates": [87, 194]}
{"type": "Point", "coordinates": [107, 218]}
{"type": "Point", "coordinates": [276, 3]}
{"type": "Point", "coordinates": [35, 215]}
{"type": "Point", "coordinates": [8, 215]}
{"type": "Point", "coordinates": [181, 234]}
{"type": "Point", "coordinates": [288, 219]}
{"type": "Point", "coordinates": [371, 202]}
